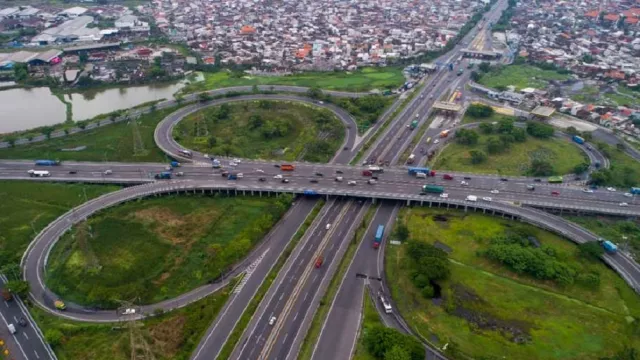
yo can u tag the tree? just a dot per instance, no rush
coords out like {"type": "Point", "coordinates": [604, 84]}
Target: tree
{"type": "Point", "coordinates": [467, 137]}
{"type": "Point", "coordinates": [18, 287]}
{"type": "Point", "coordinates": [620, 146]}
{"type": "Point", "coordinates": [402, 231]}
{"type": "Point", "coordinates": [53, 336]}
{"type": "Point", "coordinates": [477, 156]}
{"type": "Point", "coordinates": [539, 130]}
{"type": "Point", "coordinates": [255, 121]}
{"type": "Point", "coordinates": [212, 141]}
{"type": "Point", "coordinates": [204, 97]}
{"type": "Point", "coordinates": [485, 67]}
{"type": "Point", "coordinates": [591, 250]}
{"type": "Point", "coordinates": [580, 168]}
{"type": "Point", "coordinates": [11, 270]}
{"type": "Point", "coordinates": [541, 167]}
{"type": "Point", "coordinates": [314, 93]}
{"type": "Point", "coordinates": [505, 126]}
{"type": "Point", "coordinates": [254, 89]}
{"type": "Point", "coordinates": [83, 57]}
{"type": "Point", "coordinates": [519, 135]}
{"type": "Point", "coordinates": [480, 110]}
{"type": "Point", "coordinates": [20, 72]}
{"type": "Point", "coordinates": [397, 353]}
{"type": "Point", "coordinates": [494, 146]}
{"type": "Point", "coordinates": [223, 111]}
{"type": "Point", "coordinates": [600, 177]}
{"type": "Point", "coordinates": [628, 353]}
{"type": "Point", "coordinates": [571, 130]}
{"type": "Point", "coordinates": [486, 128]}
{"type": "Point", "coordinates": [475, 76]}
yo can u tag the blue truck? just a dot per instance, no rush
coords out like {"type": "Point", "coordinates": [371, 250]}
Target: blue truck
{"type": "Point", "coordinates": [175, 164]}
{"type": "Point", "coordinates": [417, 170]}
{"type": "Point", "coordinates": [163, 175]}
{"type": "Point", "coordinates": [378, 239]}
{"type": "Point", "coordinates": [578, 139]}
{"type": "Point", "coordinates": [309, 193]}
{"type": "Point", "coordinates": [47, 162]}
{"type": "Point", "coordinates": [232, 177]}
{"type": "Point", "coordinates": [635, 191]}
{"type": "Point", "coordinates": [450, 66]}
{"type": "Point", "coordinates": [608, 246]}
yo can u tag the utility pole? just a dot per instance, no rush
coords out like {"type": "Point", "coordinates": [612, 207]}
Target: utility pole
{"type": "Point", "coordinates": [140, 347]}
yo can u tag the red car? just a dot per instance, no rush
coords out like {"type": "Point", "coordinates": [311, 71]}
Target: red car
{"type": "Point", "coordinates": [447, 177]}
{"type": "Point", "coordinates": [319, 261]}
{"type": "Point", "coordinates": [555, 193]}
{"type": "Point", "coordinates": [367, 173]}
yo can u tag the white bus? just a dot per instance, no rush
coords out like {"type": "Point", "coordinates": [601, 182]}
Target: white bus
{"type": "Point", "coordinates": [385, 304]}
{"type": "Point", "coordinates": [39, 173]}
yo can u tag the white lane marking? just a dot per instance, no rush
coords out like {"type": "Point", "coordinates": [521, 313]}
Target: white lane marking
{"type": "Point", "coordinates": [305, 296]}
{"type": "Point", "coordinates": [285, 338]}
{"type": "Point", "coordinates": [281, 295]}
{"type": "Point", "coordinates": [35, 352]}
{"type": "Point", "coordinates": [296, 316]}
{"type": "Point", "coordinates": [25, 335]}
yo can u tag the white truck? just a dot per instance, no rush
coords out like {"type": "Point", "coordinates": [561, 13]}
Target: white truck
{"type": "Point", "coordinates": [12, 328]}
{"type": "Point", "coordinates": [39, 173]}
{"type": "Point", "coordinates": [421, 175]}
{"type": "Point", "coordinates": [472, 198]}
{"type": "Point", "coordinates": [411, 159]}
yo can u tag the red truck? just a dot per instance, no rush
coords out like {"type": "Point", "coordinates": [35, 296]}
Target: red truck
{"type": "Point", "coordinates": [287, 167]}
{"type": "Point", "coordinates": [447, 177]}
{"type": "Point", "coordinates": [367, 173]}
{"type": "Point", "coordinates": [6, 295]}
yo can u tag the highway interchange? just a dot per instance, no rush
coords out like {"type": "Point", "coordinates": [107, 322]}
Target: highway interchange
{"type": "Point", "coordinates": [299, 285]}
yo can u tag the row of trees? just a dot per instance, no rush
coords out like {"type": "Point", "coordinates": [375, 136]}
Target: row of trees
{"type": "Point", "coordinates": [428, 266]}
{"type": "Point", "coordinates": [389, 344]}
{"type": "Point", "coordinates": [479, 111]}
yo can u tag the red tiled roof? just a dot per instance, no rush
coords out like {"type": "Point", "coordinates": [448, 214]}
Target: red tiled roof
{"type": "Point", "coordinates": [611, 17]}
{"type": "Point", "coordinates": [592, 14]}
{"type": "Point", "coordinates": [631, 20]}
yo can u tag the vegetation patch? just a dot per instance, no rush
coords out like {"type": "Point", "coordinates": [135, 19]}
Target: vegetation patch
{"type": "Point", "coordinates": [521, 76]}
{"type": "Point", "coordinates": [171, 335]}
{"type": "Point", "coordinates": [155, 249]}
{"type": "Point", "coordinates": [623, 172]}
{"type": "Point", "coordinates": [264, 130]}
{"type": "Point", "coordinates": [357, 81]}
{"type": "Point", "coordinates": [370, 320]}
{"type": "Point", "coordinates": [492, 308]}
{"type": "Point", "coordinates": [28, 207]}
{"type": "Point", "coordinates": [130, 141]}
{"type": "Point", "coordinates": [508, 150]}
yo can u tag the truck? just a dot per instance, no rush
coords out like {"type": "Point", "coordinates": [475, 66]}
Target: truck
{"type": "Point", "coordinates": [414, 124]}
{"type": "Point", "coordinates": [424, 170]}
{"type": "Point", "coordinates": [608, 246]}
{"type": "Point", "coordinates": [444, 133]}
{"type": "Point", "coordinates": [39, 173]}
{"type": "Point", "coordinates": [287, 167]}
{"type": "Point", "coordinates": [59, 304]}
{"type": "Point", "coordinates": [186, 153]}
{"type": "Point", "coordinates": [375, 169]}
{"type": "Point", "coordinates": [309, 193]}
{"type": "Point", "coordinates": [6, 295]}
{"type": "Point", "coordinates": [411, 159]}
{"type": "Point", "coordinates": [47, 162]}
{"type": "Point", "coordinates": [378, 238]}
{"type": "Point", "coordinates": [450, 66]}
{"type": "Point", "coordinates": [232, 177]}
{"type": "Point", "coordinates": [472, 198]}
{"type": "Point", "coordinates": [433, 189]}
{"type": "Point", "coordinates": [216, 163]}
{"type": "Point", "coordinates": [386, 93]}
{"type": "Point", "coordinates": [555, 180]}
{"type": "Point", "coordinates": [163, 175]}
{"type": "Point", "coordinates": [635, 190]}
{"type": "Point", "coordinates": [175, 164]}
{"type": "Point", "coordinates": [577, 139]}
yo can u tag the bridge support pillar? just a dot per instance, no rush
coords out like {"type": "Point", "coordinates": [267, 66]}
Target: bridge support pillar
{"type": "Point", "coordinates": [466, 208]}
{"type": "Point", "coordinates": [373, 200]}
{"type": "Point", "coordinates": [484, 211]}
{"type": "Point", "coordinates": [327, 197]}
{"type": "Point", "coordinates": [408, 202]}
{"type": "Point", "coordinates": [430, 203]}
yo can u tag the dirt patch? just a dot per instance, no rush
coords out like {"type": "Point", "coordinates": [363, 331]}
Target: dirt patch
{"type": "Point", "coordinates": [464, 305]}
{"type": "Point", "coordinates": [168, 336]}
{"type": "Point", "coordinates": [176, 228]}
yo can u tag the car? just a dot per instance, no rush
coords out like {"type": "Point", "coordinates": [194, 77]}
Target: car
{"type": "Point", "coordinates": [206, 156]}
{"type": "Point", "coordinates": [352, 183]}
{"type": "Point", "coordinates": [624, 204]}
{"type": "Point", "coordinates": [555, 193]}
{"type": "Point", "coordinates": [276, 165]}
{"type": "Point", "coordinates": [272, 320]}
{"type": "Point", "coordinates": [577, 178]}
{"type": "Point", "coordinates": [279, 176]}
{"type": "Point", "coordinates": [436, 141]}
{"type": "Point", "coordinates": [237, 161]}
{"type": "Point", "coordinates": [260, 171]}
{"type": "Point", "coordinates": [588, 191]}
{"type": "Point", "coordinates": [531, 187]}
{"type": "Point", "coordinates": [319, 174]}
{"type": "Point", "coordinates": [537, 180]}
{"type": "Point", "coordinates": [12, 329]}
{"type": "Point", "coordinates": [22, 322]}
{"type": "Point", "coordinates": [495, 191]}
{"type": "Point", "coordinates": [129, 311]}
{"type": "Point", "coordinates": [486, 198]}
{"type": "Point", "coordinates": [464, 183]}
{"type": "Point", "coordinates": [611, 189]}
{"type": "Point", "coordinates": [328, 226]}
{"type": "Point", "coordinates": [467, 177]}
{"type": "Point", "coordinates": [628, 194]}
{"type": "Point", "coordinates": [108, 172]}
{"type": "Point", "coordinates": [504, 179]}
{"type": "Point", "coordinates": [345, 148]}
{"type": "Point", "coordinates": [72, 172]}
{"type": "Point", "coordinates": [180, 173]}
{"type": "Point", "coordinates": [262, 179]}
{"type": "Point", "coordinates": [319, 262]}
{"type": "Point", "coordinates": [233, 163]}
{"type": "Point", "coordinates": [315, 181]}
{"type": "Point", "coordinates": [168, 168]}
{"type": "Point", "coordinates": [339, 172]}
{"type": "Point", "coordinates": [444, 195]}
{"type": "Point", "coordinates": [224, 173]}
{"type": "Point", "coordinates": [285, 181]}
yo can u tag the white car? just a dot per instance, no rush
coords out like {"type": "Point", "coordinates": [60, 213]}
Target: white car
{"type": "Point", "coordinates": [233, 163]}
{"type": "Point", "coordinates": [589, 191]}
{"type": "Point", "coordinates": [352, 182]}
{"type": "Point", "coordinates": [237, 161]}
{"type": "Point", "coordinates": [495, 191]}
{"type": "Point", "coordinates": [486, 198]}
{"type": "Point", "coordinates": [624, 204]}
{"type": "Point", "coordinates": [436, 141]}
{"type": "Point", "coordinates": [444, 195]}
{"type": "Point", "coordinates": [129, 311]}
{"type": "Point", "coordinates": [611, 189]}
{"type": "Point", "coordinates": [328, 226]}
{"type": "Point", "coordinates": [279, 176]}
{"type": "Point", "coordinates": [272, 320]}
{"type": "Point", "coordinates": [260, 171]}
{"type": "Point", "coordinates": [207, 156]}
{"type": "Point", "coordinates": [108, 172]}
{"type": "Point", "coordinates": [464, 183]}
{"type": "Point", "coordinates": [628, 194]}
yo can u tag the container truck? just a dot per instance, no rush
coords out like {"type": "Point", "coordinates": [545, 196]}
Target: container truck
{"type": "Point", "coordinates": [6, 295]}
{"type": "Point", "coordinates": [378, 238]}
{"type": "Point", "coordinates": [414, 124]}
{"type": "Point", "coordinates": [578, 139]}
{"type": "Point", "coordinates": [635, 190]}
{"type": "Point", "coordinates": [163, 175]}
{"type": "Point", "coordinates": [608, 246]}
{"type": "Point", "coordinates": [287, 167]}
{"type": "Point", "coordinates": [433, 189]}
{"type": "Point", "coordinates": [39, 173]}
{"type": "Point", "coordinates": [411, 159]}
{"type": "Point", "coordinates": [175, 164]}
{"type": "Point", "coordinates": [47, 162]}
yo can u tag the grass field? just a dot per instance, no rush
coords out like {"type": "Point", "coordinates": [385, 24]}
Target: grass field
{"type": "Point", "coordinates": [520, 76]}
{"type": "Point", "coordinates": [357, 81]}
{"type": "Point", "coordinates": [624, 171]}
{"type": "Point", "coordinates": [114, 142]}
{"type": "Point", "coordinates": [172, 245]}
{"type": "Point", "coordinates": [171, 335]}
{"type": "Point", "coordinates": [27, 207]}
{"type": "Point", "coordinates": [466, 119]}
{"type": "Point", "coordinates": [485, 306]}
{"type": "Point", "coordinates": [516, 161]}
{"type": "Point", "coordinates": [621, 231]}
{"type": "Point", "coordinates": [287, 131]}
{"type": "Point", "coordinates": [370, 319]}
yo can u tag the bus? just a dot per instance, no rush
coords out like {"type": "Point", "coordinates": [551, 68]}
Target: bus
{"type": "Point", "coordinates": [379, 234]}
{"type": "Point", "coordinates": [415, 170]}
{"type": "Point", "coordinates": [555, 180]}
